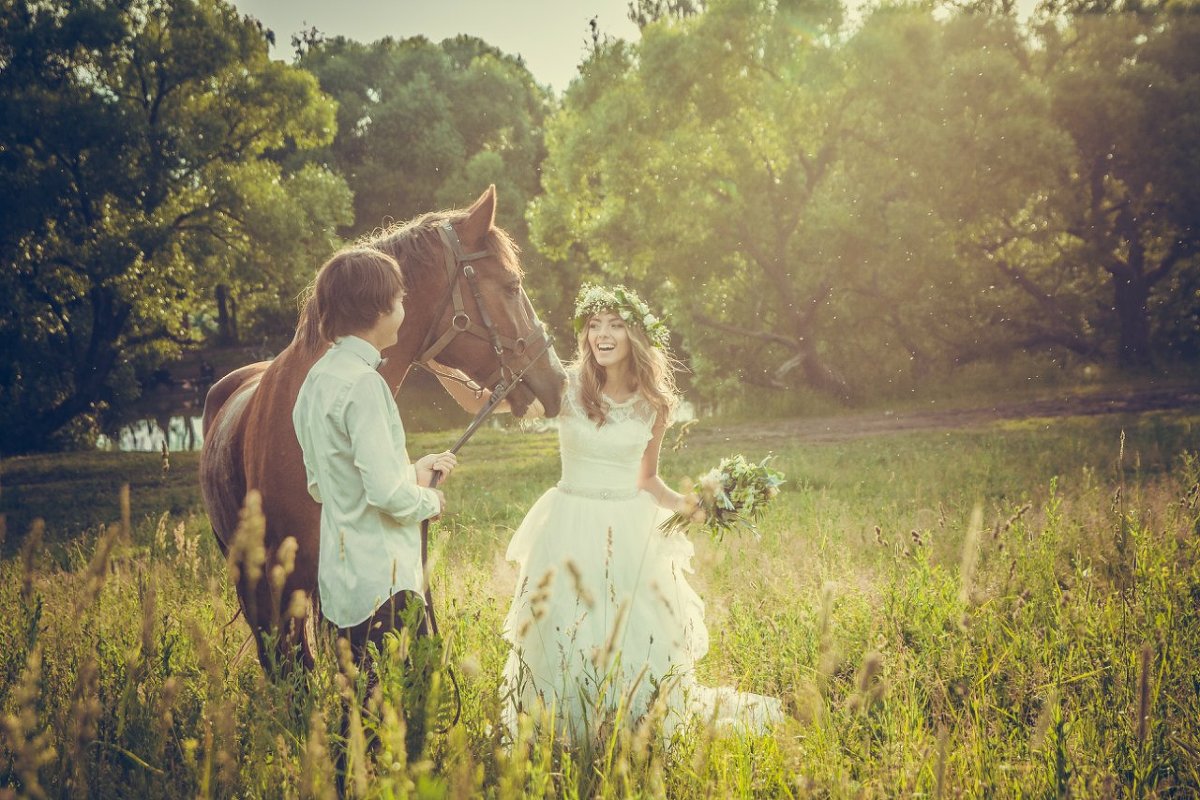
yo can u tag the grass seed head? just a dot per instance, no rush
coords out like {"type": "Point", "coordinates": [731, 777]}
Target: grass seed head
{"type": "Point", "coordinates": [126, 524]}
{"type": "Point", "coordinates": [286, 554]}
{"type": "Point", "coordinates": [248, 553]}
{"type": "Point", "coordinates": [581, 591]}
{"type": "Point", "coordinates": [298, 605]}
{"type": "Point", "coordinates": [148, 591]}
{"type": "Point", "coordinates": [970, 555]}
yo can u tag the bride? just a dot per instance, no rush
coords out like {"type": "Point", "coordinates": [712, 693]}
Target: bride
{"type": "Point", "coordinates": [603, 622]}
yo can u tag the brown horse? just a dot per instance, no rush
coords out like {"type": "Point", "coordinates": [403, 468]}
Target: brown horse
{"type": "Point", "coordinates": [249, 441]}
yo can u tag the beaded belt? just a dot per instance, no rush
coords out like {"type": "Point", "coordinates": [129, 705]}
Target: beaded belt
{"type": "Point", "coordinates": [597, 494]}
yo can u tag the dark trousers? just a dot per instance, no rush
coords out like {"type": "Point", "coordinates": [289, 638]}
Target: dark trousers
{"type": "Point", "coordinates": [391, 616]}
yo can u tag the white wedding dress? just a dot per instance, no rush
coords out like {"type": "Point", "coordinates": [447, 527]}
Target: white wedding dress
{"type": "Point", "coordinates": [603, 620]}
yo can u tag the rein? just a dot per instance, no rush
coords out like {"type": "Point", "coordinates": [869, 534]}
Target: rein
{"type": "Point", "coordinates": [503, 380]}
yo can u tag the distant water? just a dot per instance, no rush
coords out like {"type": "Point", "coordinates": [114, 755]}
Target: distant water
{"type": "Point", "coordinates": [146, 435]}
{"type": "Point", "coordinates": [422, 410]}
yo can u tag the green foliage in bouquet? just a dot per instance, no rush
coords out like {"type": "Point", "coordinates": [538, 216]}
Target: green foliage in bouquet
{"type": "Point", "coordinates": [732, 496]}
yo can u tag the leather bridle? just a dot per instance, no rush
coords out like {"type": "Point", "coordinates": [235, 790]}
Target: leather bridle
{"type": "Point", "coordinates": [458, 264]}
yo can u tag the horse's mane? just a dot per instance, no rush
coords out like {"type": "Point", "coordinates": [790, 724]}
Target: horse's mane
{"type": "Point", "coordinates": [417, 248]}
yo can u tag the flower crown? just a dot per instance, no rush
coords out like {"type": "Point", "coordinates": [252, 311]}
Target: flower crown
{"type": "Point", "coordinates": [623, 302]}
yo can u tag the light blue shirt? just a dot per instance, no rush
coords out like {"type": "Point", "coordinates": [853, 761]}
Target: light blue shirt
{"type": "Point", "coordinates": [358, 470]}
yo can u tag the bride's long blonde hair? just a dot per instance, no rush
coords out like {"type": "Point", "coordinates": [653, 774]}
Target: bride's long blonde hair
{"type": "Point", "coordinates": [653, 377]}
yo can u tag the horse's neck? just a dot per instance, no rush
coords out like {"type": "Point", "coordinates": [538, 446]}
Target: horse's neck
{"type": "Point", "coordinates": [419, 310]}
{"type": "Point", "coordinates": [398, 358]}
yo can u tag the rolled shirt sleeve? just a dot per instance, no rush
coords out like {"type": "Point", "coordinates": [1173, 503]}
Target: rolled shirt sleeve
{"type": "Point", "coordinates": [377, 438]}
{"type": "Point", "coordinates": [314, 491]}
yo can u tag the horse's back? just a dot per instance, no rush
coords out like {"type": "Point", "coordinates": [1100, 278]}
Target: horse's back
{"type": "Point", "coordinates": [220, 392]}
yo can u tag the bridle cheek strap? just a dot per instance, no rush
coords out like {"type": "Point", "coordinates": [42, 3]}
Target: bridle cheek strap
{"type": "Point", "coordinates": [459, 262]}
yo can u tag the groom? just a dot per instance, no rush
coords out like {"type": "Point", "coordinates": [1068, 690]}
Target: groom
{"type": "Point", "coordinates": [369, 574]}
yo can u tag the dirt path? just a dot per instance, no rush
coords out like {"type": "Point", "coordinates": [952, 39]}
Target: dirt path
{"type": "Point", "coordinates": [857, 425]}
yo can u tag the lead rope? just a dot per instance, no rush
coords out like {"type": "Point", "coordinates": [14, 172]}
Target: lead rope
{"type": "Point", "coordinates": [498, 394]}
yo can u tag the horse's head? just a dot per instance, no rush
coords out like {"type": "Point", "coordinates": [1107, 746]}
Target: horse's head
{"type": "Point", "coordinates": [466, 307]}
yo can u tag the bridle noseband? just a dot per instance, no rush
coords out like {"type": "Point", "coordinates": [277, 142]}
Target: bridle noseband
{"type": "Point", "coordinates": [457, 262]}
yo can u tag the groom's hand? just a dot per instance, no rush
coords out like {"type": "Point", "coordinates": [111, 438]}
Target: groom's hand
{"type": "Point", "coordinates": [435, 462]}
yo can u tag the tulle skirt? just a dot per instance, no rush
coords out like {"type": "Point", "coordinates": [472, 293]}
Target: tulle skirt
{"type": "Point", "coordinates": [604, 626]}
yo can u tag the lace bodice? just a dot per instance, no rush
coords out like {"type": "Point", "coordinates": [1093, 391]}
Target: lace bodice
{"type": "Point", "coordinates": [602, 461]}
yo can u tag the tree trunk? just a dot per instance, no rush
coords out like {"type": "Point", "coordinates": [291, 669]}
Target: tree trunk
{"type": "Point", "coordinates": [234, 335]}
{"type": "Point", "coordinates": [1130, 299]}
{"type": "Point", "coordinates": [226, 323]}
{"type": "Point", "coordinates": [818, 376]}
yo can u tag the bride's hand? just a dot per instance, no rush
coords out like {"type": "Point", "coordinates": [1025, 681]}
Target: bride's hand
{"type": "Point", "coordinates": [689, 505]}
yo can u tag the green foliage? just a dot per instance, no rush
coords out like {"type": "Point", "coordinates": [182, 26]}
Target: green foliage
{"type": "Point", "coordinates": [134, 137]}
{"type": "Point", "coordinates": [423, 126]}
{"type": "Point", "coordinates": [860, 210]}
{"type": "Point", "coordinates": [1125, 209]}
{"type": "Point", "coordinates": [1004, 612]}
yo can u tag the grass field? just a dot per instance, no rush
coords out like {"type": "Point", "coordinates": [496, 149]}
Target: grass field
{"type": "Point", "coordinates": [1009, 612]}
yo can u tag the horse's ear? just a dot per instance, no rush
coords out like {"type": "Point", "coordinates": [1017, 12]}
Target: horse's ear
{"type": "Point", "coordinates": [481, 217]}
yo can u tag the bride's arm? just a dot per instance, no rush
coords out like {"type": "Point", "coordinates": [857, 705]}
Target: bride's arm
{"type": "Point", "coordinates": [465, 396]}
{"type": "Point", "coordinates": [649, 479]}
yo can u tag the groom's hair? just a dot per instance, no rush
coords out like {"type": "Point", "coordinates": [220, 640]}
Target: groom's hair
{"type": "Point", "coordinates": [353, 289]}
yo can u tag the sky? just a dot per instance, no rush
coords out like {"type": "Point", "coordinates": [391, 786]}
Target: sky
{"type": "Point", "coordinates": [548, 34]}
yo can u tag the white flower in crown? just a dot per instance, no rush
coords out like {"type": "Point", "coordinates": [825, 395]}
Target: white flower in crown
{"type": "Point", "coordinates": [626, 303]}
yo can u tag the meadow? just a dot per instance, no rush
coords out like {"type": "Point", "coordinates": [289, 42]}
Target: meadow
{"type": "Point", "coordinates": [1007, 611]}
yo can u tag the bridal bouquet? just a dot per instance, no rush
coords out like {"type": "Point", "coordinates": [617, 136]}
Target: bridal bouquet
{"type": "Point", "coordinates": [731, 496]}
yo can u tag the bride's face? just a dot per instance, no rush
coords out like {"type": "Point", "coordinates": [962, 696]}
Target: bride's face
{"type": "Point", "coordinates": [608, 339]}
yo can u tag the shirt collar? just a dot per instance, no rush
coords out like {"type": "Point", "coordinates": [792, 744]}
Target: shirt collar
{"type": "Point", "coordinates": [361, 348]}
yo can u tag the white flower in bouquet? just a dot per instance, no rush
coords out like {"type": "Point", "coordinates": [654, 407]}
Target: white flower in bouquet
{"type": "Point", "coordinates": [710, 483]}
{"type": "Point", "coordinates": [732, 496]}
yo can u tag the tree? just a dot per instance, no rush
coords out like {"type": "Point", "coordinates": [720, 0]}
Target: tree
{"type": "Point", "coordinates": [288, 227]}
{"type": "Point", "coordinates": [132, 137]}
{"type": "Point", "coordinates": [954, 142]}
{"type": "Point", "coordinates": [691, 162]}
{"type": "Point", "coordinates": [1125, 87]}
{"type": "Point", "coordinates": [424, 125]}
{"type": "Point", "coordinates": [841, 210]}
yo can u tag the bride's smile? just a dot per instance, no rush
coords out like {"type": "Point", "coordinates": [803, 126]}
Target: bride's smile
{"type": "Point", "coordinates": [608, 339]}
